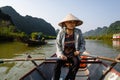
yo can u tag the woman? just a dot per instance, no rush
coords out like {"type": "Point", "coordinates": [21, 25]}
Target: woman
{"type": "Point", "coordinates": [70, 45]}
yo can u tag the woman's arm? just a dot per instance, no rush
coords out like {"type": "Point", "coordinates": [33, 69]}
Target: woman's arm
{"type": "Point", "coordinates": [82, 43]}
{"type": "Point", "coordinates": [59, 45]}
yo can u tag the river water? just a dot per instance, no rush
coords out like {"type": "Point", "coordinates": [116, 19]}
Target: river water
{"type": "Point", "coordinates": [14, 70]}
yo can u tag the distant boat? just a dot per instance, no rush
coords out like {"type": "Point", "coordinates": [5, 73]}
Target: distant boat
{"type": "Point", "coordinates": [30, 42]}
{"type": "Point", "coordinates": [35, 42]}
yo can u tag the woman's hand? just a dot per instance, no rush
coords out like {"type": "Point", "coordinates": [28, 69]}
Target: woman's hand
{"type": "Point", "coordinates": [76, 53]}
{"type": "Point", "coordinates": [63, 57]}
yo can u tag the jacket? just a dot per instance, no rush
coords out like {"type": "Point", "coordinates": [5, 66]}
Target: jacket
{"type": "Point", "coordinates": [79, 41]}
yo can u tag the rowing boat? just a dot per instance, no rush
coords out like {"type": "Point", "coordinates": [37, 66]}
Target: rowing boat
{"type": "Point", "coordinates": [95, 70]}
{"type": "Point", "coordinates": [30, 42]}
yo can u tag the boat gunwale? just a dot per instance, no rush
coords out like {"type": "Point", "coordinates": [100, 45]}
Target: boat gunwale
{"type": "Point", "coordinates": [29, 72]}
{"type": "Point", "coordinates": [33, 69]}
{"type": "Point", "coordinates": [54, 61]}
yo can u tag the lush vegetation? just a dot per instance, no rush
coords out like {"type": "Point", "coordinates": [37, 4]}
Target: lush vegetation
{"type": "Point", "coordinates": [9, 33]}
{"type": "Point", "coordinates": [40, 36]}
{"type": "Point", "coordinates": [29, 24]}
{"type": "Point", "coordinates": [103, 33]}
{"type": "Point", "coordinates": [16, 27]}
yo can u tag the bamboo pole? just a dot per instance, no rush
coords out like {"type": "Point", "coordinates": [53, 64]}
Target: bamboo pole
{"type": "Point", "coordinates": [27, 59]}
{"type": "Point", "coordinates": [55, 58]}
{"type": "Point", "coordinates": [35, 59]}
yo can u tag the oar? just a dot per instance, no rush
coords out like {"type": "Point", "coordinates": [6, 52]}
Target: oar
{"type": "Point", "coordinates": [55, 58]}
{"type": "Point", "coordinates": [27, 59]}
{"type": "Point", "coordinates": [39, 71]}
{"type": "Point", "coordinates": [103, 58]}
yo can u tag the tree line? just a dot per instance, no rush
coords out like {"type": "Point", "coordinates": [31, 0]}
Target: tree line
{"type": "Point", "coordinates": [103, 33]}
{"type": "Point", "coordinates": [8, 32]}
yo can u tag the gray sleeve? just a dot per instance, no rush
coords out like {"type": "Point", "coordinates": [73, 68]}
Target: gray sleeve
{"type": "Point", "coordinates": [59, 44]}
{"type": "Point", "coordinates": [81, 43]}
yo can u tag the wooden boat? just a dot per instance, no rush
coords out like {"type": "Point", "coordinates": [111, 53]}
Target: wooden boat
{"type": "Point", "coordinates": [30, 42]}
{"type": "Point", "coordinates": [95, 70]}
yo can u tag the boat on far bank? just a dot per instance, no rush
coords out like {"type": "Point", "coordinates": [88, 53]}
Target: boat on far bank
{"type": "Point", "coordinates": [31, 42]}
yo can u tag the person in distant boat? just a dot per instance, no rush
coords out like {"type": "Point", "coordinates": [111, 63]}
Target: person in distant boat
{"type": "Point", "coordinates": [70, 45]}
{"type": "Point", "coordinates": [39, 37]}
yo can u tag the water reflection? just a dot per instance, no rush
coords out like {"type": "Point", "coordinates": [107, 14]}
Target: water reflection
{"type": "Point", "coordinates": [10, 49]}
{"type": "Point", "coordinates": [116, 43]}
{"type": "Point", "coordinates": [102, 48]}
{"type": "Point", "coordinates": [15, 70]}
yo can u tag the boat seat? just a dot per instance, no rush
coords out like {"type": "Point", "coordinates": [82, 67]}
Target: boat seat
{"type": "Point", "coordinates": [83, 72]}
{"type": "Point", "coordinates": [82, 64]}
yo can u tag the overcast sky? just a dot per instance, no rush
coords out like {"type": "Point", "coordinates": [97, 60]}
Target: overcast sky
{"type": "Point", "coordinates": [94, 13]}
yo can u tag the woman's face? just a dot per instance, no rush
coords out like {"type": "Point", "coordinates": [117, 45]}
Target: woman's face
{"type": "Point", "coordinates": [70, 24]}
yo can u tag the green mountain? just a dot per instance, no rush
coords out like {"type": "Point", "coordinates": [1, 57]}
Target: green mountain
{"type": "Point", "coordinates": [112, 29]}
{"type": "Point", "coordinates": [28, 24]}
{"type": "Point", "coordinates": [6, 18]}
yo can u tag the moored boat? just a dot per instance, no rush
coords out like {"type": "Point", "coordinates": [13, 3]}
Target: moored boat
{"type": "Point", "coordinates": [95, 70]}
{"type": "Point", "coordinates": [35, 42]}
{"type": "Point", "coordinates": [30, 42]}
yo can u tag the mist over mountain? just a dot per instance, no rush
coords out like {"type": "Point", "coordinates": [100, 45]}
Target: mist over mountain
{"type": "Point", "coordinates": [28, 24]}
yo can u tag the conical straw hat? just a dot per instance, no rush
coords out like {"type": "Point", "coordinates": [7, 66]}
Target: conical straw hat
{"type": "Point", "coordinates": [70, 17]}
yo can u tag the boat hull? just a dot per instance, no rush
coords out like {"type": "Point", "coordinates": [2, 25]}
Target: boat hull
{"type": "Point", "coordinates": [93, 72]}
{"type": "Point", "coordinates": [30, 42]}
